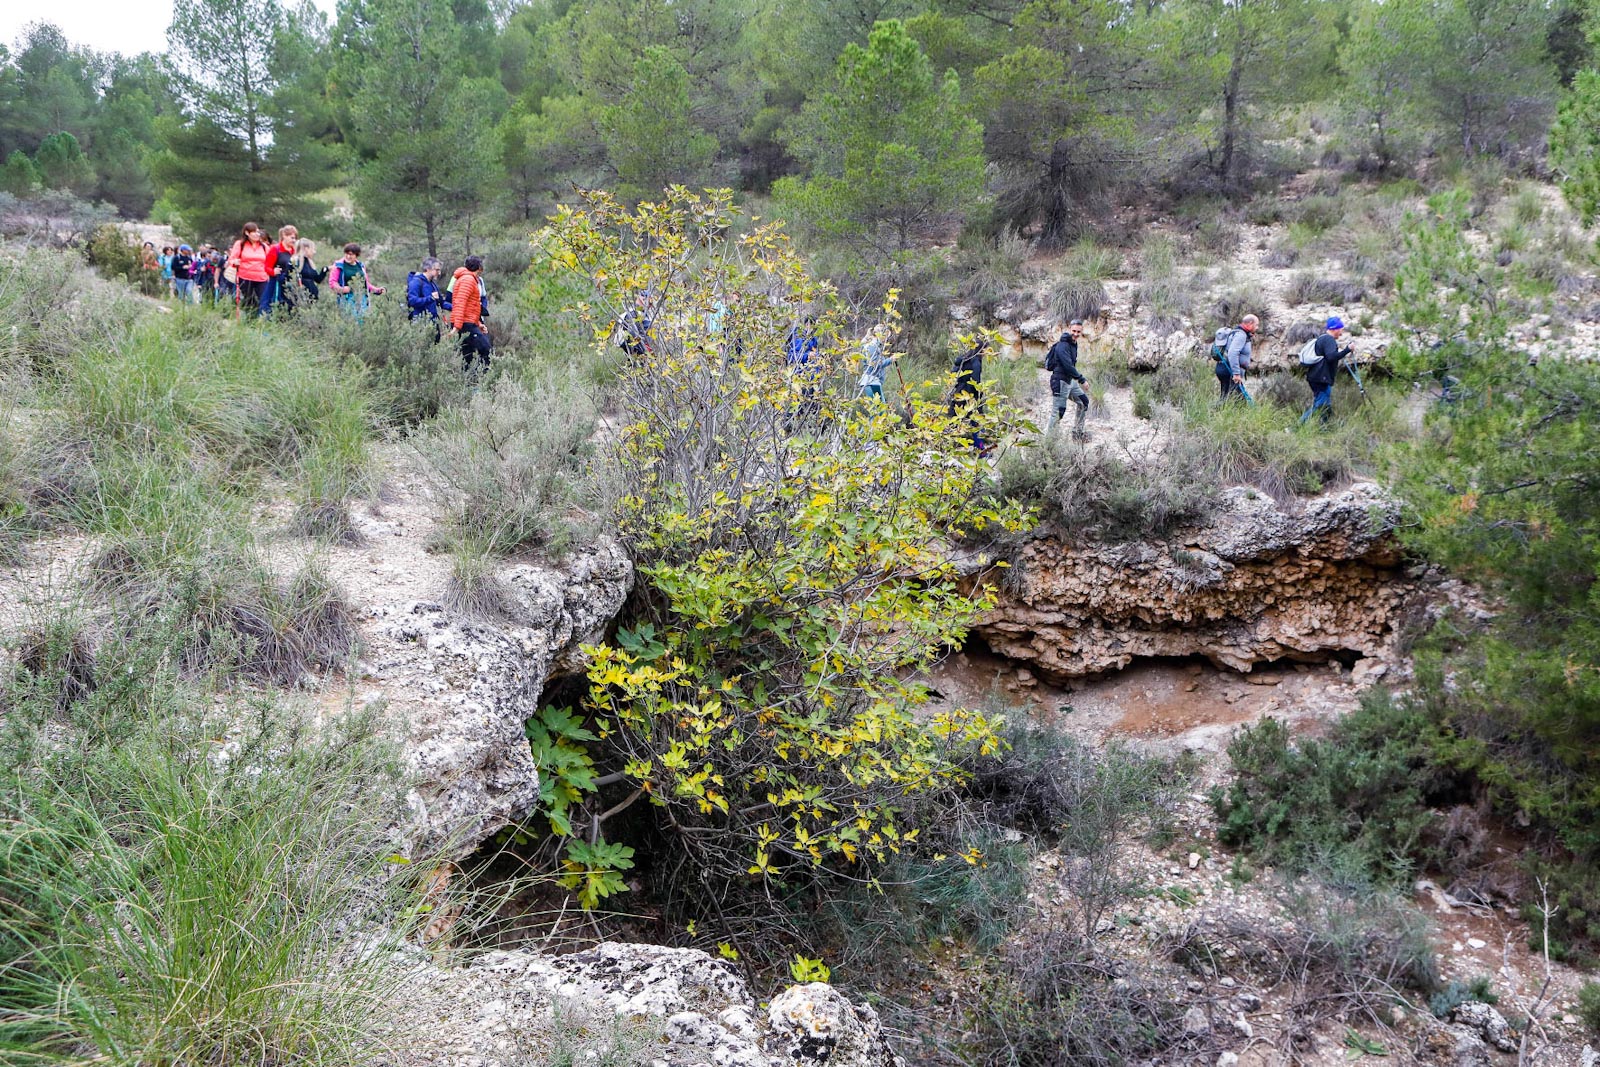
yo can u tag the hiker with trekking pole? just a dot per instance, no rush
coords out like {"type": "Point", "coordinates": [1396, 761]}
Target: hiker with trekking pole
{"type": "Point", "coordinates": [251, 263]}
{"type": "Point", "coordinates": [1321, 358]}
{"type": "Point", "coordinates": [1230, 348]}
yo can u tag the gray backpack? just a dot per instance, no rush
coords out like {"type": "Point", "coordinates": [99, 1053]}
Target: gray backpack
{"type": "Point", "coordinates": [1308, 354]}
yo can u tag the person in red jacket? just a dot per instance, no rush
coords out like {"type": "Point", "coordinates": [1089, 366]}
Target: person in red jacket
{"type": "Point", "coordinates": [251, 259]}
{"type": "Point", "coordinates": [466, 316]}
{"type": "Point", "coordinates": [282, 266]}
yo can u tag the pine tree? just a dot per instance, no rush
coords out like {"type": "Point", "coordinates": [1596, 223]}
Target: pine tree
{"type": "Point", "coordinates": [893, 154]}
{"type": "Point", "coordinates": [62, 164]}
{"type": "Point", "coordinates": [429, 132]}
{"type": "Point", "coordinates": [19, 176]}
{"type": "Point", "coordinates": [234, 158]}
{"type": "Point", "coordinates": [650, 136]}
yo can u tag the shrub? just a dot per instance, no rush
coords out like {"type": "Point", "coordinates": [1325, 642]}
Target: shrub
{"type": "Point", "coordinates": [1516, 697]}
{"type": "Point", "coordinates": [409, 377]}
{"type": "Point", "coordinates": [1455, 993]}
{"type": "Point", "coordinates": [1364, 793]}
{"type": "Point", "coordinates": [1589, 1005]}
{"type": "Point", "coordinates": [1056, 1004]}
{"type": "Point", "coordinates": [766, 713]}
{"type": "Point", "coordinates": [1339, 947]}
{"type": "Point", "coordinates": [1280, 256]}
{"type": "Point", "coordinates": [511, 462]}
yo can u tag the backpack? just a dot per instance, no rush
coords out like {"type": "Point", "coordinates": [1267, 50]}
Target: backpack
{"type": "Point", "coordinates": [1219, 343]}
{"type": "Point", "coordinates": [1308, 354]}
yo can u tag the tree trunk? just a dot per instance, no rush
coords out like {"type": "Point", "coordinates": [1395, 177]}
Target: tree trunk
{"type": "Point", "coordinates": [1057, 203]}
{"type": "Point", "coordinates": [433, 237]}
{"type": "Point", "coordinates": [1230, 116]}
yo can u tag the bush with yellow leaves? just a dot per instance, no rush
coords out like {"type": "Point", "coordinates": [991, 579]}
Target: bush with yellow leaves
{"type": "Point", "coordinates": [796, 546]}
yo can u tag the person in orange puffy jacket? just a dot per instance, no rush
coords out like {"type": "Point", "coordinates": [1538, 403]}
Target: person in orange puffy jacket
{"type": "Point", "coordinates": [466, 316]}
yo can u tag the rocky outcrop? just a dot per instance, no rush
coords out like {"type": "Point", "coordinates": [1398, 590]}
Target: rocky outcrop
{"type": "Point", "coordinates": [479, 683]}
{"type": "Point", "coordinates": [1259, 584]}
{"type": "Point", "coordinates": [675, 1008]}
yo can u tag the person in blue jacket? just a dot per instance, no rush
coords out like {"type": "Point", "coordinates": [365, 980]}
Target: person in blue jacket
{"type": "Point", "coordinates": [423, 296]}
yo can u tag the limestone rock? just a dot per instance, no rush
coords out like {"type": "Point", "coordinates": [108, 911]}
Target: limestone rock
{"type": "Point", "coordinates": [465, 743]}
{"type": "Point", "coordinates": [1150, 350]}
{"type": "Point", "coordinates": [695, 1010]}
{"type": "Point", "coordinates": [1259, 584]}
{"type": "Point", "coordinates": [815, 1024]}
{"type": "Point", "coordinates": [1487, 1021]}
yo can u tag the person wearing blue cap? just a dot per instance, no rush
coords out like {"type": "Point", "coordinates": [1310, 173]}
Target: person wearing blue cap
{"type": "Point", "coordinates": [183, 272]}
{"type": "Point", "coordinates": [1320, 376]}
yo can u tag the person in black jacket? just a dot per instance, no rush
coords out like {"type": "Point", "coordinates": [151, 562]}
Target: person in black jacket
{"type": "Point", "coordinates": [1324, 370]}
{"type": "Point", "coordinates": [968, 369]}
{"type": "Point", "coordinates": [309, 273]}
{"type": "Point", "coordinates": [1066, 381]}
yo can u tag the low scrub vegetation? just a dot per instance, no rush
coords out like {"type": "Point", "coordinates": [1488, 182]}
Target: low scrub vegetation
{"type": "Point", "coordinates": [182, 878]}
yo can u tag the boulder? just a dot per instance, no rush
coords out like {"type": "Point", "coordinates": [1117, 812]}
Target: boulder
{"type": "Point", "coordinates": [469, 684]}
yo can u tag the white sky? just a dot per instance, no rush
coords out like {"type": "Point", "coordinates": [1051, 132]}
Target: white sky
{"type": "Point", "coordinates": [127, 26]}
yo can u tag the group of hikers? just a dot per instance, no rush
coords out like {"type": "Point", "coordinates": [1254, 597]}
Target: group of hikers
{"type": "Point", "coordinates": [1320, 357]}
{"type": "Point", "coordinates": [1231, 350]}
{"type": "Point", "coordinates": [257, 276]}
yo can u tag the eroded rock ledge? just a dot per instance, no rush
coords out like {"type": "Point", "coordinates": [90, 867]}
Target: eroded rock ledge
{"type": "Point", "coordinates": [1257, 585]}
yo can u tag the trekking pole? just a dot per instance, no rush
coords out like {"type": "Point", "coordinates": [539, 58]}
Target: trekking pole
{"type": "Point", "coordinates": [1245, 393]}
{"type": "Point", "coordinates": [1351, 367]}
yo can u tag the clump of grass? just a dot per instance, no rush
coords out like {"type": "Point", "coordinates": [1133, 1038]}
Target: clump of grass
{"type": "Point", "coordinates": [1077, 291]}
{"type": "Point", "coordinates": [512, 463]}
{"type": "Point", "coordinates": [1300, 332]}
{"type": "Point", "coordinates": [1163, 296]}
{"type": "Point", "coordinates": [1234, 304]}
{"type": "Point", "coordinates": [990, 268]}
{"type": "Point", "coordinates": [1527, 207]}
{"type": "Point", "coordinates": [173, 899]}
{"type": "Point", "coordinates": [1253, 448]}
{"type": "Point", "coordinates": [1218, 236]}
{"type": "Point", "coordinates": [1093, 494]}
{"type": "Point", "coordinates": [1308, 288]}
{"type": "Point", "coordinates": [1318, 214]}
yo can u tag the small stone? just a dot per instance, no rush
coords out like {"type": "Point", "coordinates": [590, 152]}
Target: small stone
{"type": "Point", "coordinates": [1194, 987]}
{"type": "Point", "coordinates": [1195, 1021]}
{"type": "Point", "coordinates": [1248, 1002]}
{"type": "Point", "coordinates": [1194, 860]}
{"type": "Point", "coordinates": [1477, 942]}
{"type": "Point", "coordinates": [1226, 983]}
{"type": "Point", "coordinates": [1228, 1059]}
{"type": "Point", "coordinates": [1242, 1025]}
